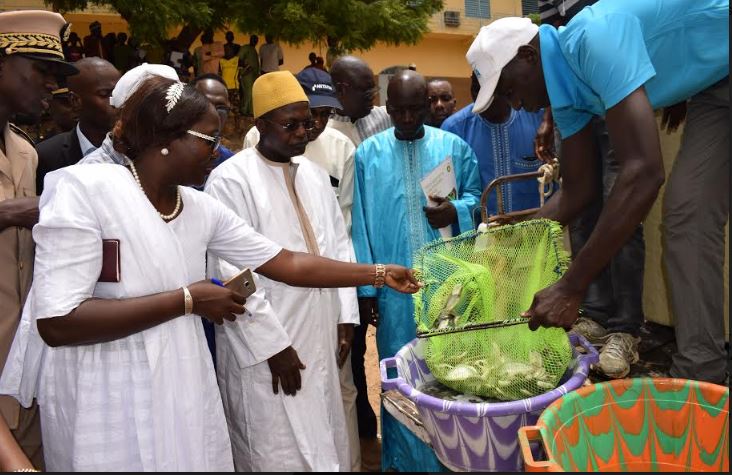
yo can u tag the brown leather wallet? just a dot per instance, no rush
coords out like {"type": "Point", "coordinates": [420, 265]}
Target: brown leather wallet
{"type": "Point", "coordinates": [110, 261]}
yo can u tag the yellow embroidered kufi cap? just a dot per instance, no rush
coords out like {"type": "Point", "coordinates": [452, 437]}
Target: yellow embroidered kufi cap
{"type": "Point", "coordinates": [35, 34]}
{"type": "Point", "coordinates": [274, 90]}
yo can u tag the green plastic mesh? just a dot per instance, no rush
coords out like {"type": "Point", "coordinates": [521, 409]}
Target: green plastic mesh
{"type": "Point", "coordinates": [478, 278]}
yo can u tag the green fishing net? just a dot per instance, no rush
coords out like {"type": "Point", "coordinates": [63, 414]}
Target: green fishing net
{"type": "Point", "coordinates": [489, 278]}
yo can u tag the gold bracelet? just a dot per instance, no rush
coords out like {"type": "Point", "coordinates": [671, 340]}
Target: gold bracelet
{"type": "Point", "coordinates": [188, 301]}
{"type": "Point", "coordinates": [26, 470]}
{"type": "Point", "coordinates": [380, 276]}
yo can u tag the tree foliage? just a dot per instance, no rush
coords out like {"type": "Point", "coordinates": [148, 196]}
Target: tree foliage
{"type": "Point", "coordinates": [354, 24]}
{"type": "Point", "coordinates": [151, 20]}
{"type": "Point", "coordinates": [350, 24]}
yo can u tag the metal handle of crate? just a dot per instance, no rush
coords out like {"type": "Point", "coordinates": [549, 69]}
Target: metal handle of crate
{"type": "Point", "coordinates": [496, 185]}
{"type": "Point", "coordinates": [530, 434]}
{"type": "Point", "coordinates": [388, 384]}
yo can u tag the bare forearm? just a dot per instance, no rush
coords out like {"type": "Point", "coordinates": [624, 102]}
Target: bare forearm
{"type": "Point", "coordinates": [103, 320]}
{"type": "Point", "coordinates": [21, 212]}
{"type": "Point", "coordinates": [12, 456]}
{"type": "Point", "coordinates": [552, 209]}
{"type": "Point", "coordinates": [634, 135]}
{"type": "Point", "coordinates": [305, 270]}
{"type": "Point", "coordinates": [633, 195]}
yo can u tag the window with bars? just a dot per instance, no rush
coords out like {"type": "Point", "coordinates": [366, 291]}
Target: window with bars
{"type": "Point", "coordinates": [529, 6]}
{"type": "Point", "coordinates": [478, 8]}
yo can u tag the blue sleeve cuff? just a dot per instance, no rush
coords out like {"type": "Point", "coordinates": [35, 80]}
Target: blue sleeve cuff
{"type": "Point", "coordinates": [570, 121]}
{"type": "Point", "coordinates": [612, 99]}
{"type": "Point", "coordinates": [465, 216]}
{"type": "Point", "coordinates": [366, 291]}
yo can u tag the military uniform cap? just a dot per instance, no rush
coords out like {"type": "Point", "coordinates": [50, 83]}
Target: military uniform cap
{"type": "Point", "coordinates": [35, 34]}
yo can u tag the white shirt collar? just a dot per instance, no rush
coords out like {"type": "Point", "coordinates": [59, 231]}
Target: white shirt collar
{"type": "Point", "coordinates": [86, 146]}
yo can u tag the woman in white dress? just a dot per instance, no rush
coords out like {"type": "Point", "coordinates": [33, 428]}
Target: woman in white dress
{"type": "Point", "coordinates": [120, 368]}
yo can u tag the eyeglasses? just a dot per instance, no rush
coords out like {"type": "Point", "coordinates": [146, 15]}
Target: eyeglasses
{"type": "Point", "coordinates": [215, 141]}
{"type": "Point", "coordinates": [224, 110]}
{"type": "Point", "coordinates": [292, 126]}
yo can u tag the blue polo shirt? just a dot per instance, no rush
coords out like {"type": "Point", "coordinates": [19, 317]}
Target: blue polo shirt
{"type": "Point", "coordinates": [675, 48]}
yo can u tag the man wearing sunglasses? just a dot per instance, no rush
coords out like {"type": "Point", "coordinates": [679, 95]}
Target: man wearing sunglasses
{"type": "Point", "coordinates": [328, 147]}
{"type": "Point", "coordinates": [288, 198]}
{"type": "Point", "coordinates": [334, 152]}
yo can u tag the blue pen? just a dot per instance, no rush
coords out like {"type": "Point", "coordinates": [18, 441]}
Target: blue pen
{"type": "Point", "coordinates": [217, 282]}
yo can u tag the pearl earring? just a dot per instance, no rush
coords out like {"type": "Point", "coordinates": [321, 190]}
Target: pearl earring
{"type": "Point", "coordinates": [164, 151]}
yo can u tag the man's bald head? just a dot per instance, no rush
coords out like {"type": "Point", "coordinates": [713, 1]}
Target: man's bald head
{"type": "Point", "coordinates": [355, 86]}
{"type": "Point", "coordinates": [214, 88]}
{"type": "Point", "coordinates": [93, 87]}
{"type": "Point", "coordinates": [347, 67]}
{"type": "Point", "coordinates": [407, 82]}
{"type": "Point", "coordinates": [407, 103]}
{"type": "Point", "coordinates": [90, 72]}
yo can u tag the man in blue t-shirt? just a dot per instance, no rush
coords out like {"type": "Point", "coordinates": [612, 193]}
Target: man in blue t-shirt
{"type": "Point", "coordinates": [613, 303]}
{"type": "Point", "coordinates": [622, 59]}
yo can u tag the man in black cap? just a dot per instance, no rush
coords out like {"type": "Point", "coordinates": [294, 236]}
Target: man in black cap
{"type": "Point", "coordinates": [31, 57]}
{"type": "Point", "coordinates": [63, 112]}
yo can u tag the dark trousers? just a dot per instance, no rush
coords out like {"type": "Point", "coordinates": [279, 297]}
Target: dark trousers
{"type": "Point", "coordinates": [364, 412]}
{"type": "Point", "coordinates": [695, 212]}
{"type": "Point", "coordinates": [615, 298]}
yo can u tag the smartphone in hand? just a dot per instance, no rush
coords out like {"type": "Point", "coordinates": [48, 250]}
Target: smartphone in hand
{"type": "Point", "coordinates": [242, 283]}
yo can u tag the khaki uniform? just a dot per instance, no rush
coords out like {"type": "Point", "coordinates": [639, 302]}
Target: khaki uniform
{"type": "Point", "coordinates": [17, 180]}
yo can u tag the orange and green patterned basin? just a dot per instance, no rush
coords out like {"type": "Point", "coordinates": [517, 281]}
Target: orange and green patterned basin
{"type": "Point", "coordinates": [634, 425]}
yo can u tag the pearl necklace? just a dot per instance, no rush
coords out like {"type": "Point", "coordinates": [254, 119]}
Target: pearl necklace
{"type": "Point", "coordinates": [165, 217]}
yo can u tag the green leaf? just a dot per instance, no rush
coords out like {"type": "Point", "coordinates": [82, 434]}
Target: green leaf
{"type": "Point", "coordinates": [351, 24]}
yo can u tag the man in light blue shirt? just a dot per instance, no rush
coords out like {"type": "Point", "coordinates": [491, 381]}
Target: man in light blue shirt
{"type": "Point", "coordinates": [503, 142]}
{"type": "Point", "coordinates": [613, 303]}
{"type": "Point", "coordinates": [393, 219]}
{"type": "Point", "coordinates": [623, 59]}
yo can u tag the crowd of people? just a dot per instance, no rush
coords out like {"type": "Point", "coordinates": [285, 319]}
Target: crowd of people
{"type": "Point", "coordinates": [123, 350]}
{"type": "Point", "coordinates": [238, 65]}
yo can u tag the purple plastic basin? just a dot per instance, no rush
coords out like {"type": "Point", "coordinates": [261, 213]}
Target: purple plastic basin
{"type": "Point", "coordinates": [477, 437]}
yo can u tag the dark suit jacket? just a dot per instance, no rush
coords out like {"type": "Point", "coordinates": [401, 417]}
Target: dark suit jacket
{"type": "Point", "coordinates": [59, 151]}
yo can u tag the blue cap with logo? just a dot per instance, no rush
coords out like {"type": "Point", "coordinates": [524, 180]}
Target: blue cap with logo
{"type": "Point", "coordinates": [319, 88]}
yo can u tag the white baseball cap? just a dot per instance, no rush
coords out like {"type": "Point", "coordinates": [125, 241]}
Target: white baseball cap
{"type": "Point", "coordinates": [494, 47]}
{"type": "Point", "coordinates": [131, 80]}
